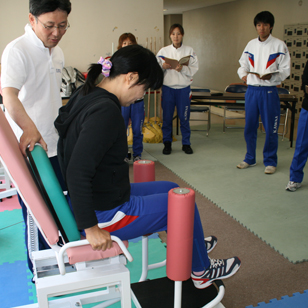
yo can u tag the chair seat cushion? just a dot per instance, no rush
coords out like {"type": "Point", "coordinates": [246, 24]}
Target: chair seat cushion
{"type": "Point", "coordinates": [199, 108]}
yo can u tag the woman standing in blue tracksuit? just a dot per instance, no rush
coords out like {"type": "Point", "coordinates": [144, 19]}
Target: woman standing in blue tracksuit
{"type": "Point", "coordinates": [176, 88]}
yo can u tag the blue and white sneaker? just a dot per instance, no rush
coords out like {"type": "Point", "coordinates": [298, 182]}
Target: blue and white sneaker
{"type": "Point", "coordinates": [219, 269]}
{"type": "Point", "coordinates": [210, 243]}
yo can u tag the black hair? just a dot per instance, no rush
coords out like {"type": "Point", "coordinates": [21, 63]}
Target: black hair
{"type": "Point", "coordinates": [265, 17]}
{"type": "Point", "coordinates": [132, 58]}
{"type": "Point", "coordinates": [176, 26]}
{"type": "Point", "coordinates": [39, 7]}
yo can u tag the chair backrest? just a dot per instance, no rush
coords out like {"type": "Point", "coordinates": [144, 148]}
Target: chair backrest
{"type": "Point", "coordinates": [52, 193]}
{"type": "Point", "coordinates": [282, 91]}
{"type": "Point", "coordinates": [18, 169]}
{"type": "Point", "coordinates": [236, 88]}
{"type": "Point", "coordinates": [200, 90]}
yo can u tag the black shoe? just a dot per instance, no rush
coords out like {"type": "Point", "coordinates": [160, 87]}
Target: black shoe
{"type": "Point", "coordinates": [167, 149]}
{"type": "Point", "coordinates": [187, 149]}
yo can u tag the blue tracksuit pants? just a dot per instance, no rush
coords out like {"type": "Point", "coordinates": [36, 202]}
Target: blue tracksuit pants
{"type": "Point", "coordinates": [146, 212]}
{"type": "Point", "coordinates": [301, 149]}
{"type": "Point", "coordinates": [179, 98]}
{"type": "Point", "coordinates": [262, 101]}
{"type": "Point", "coordinates": [136, 113]}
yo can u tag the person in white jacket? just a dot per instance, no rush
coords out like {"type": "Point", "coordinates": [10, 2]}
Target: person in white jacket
{"type": "Point", "coordinates": [265, 63]}
{"type": "Point", "coordinates": [176, 87]}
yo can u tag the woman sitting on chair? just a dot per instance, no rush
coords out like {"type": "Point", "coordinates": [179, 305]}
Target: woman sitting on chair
{"type": "Point", "coordinates": [91, 151]}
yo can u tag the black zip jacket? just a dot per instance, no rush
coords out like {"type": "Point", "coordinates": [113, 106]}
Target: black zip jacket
{"type": "Point", "coordinates": [91, 150]}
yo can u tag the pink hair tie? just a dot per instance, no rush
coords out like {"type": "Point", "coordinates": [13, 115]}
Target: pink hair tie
{"type": "Point", "coordinates": [106, 66]}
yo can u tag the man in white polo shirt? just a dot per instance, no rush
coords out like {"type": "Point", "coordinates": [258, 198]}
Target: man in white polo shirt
{"type": "Point", "coordinates": [31, 76]}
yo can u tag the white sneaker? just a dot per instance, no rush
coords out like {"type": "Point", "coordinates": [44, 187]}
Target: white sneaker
{"type": "Point", "coordinates": [136, 158]}
{"type": "Point", "coordinates": [244, 165]}
{"type": "Point", "coordinates": [292, 186]}
{"type": "Point", "coordinates": [269, 170]}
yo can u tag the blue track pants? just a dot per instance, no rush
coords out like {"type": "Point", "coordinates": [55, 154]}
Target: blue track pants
{"type": "Point", "coordinates": [262, 101]}
{"type": "Point", "coordinates": [179, 98]}
{"type": "Point", "coordinates": [301, 149]}
{"type": "Point", "coordinates": [135, 112]}
{"type": "Point", "coordinates": [146, 212]}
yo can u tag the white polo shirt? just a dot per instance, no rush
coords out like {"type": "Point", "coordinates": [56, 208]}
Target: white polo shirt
{"type": "Point", "coordinates": [28, 66]}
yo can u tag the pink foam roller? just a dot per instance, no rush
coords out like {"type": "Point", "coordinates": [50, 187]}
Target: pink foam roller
{"type": "Point", "coordinates": [181, 210]}
{"type": "Point", "coordinates": [144, 171]}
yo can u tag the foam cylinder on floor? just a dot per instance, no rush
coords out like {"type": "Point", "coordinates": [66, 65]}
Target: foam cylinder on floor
{"type": "Point", "coordinates": [180, 229]}
{"type": "Point", "coordinates": [144, 171]}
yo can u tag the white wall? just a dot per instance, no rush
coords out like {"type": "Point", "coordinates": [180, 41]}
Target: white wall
{"type": "Point", "coordinates": [169, 20]}
{"type": "Point", "coordinates": [219, 34]}
{"type": "Point", "coordinates": [95, 25]}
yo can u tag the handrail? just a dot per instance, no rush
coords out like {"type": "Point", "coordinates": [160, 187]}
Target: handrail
{"type": "Point", "coordinates": [60, 255]}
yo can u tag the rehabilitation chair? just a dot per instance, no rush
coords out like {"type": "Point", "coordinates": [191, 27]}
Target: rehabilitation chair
{"type": "Point", "coordinates": [72, 266]}
{"type": "Point", "coordinates": [284, 111]}
{"type": "Point", "coordinates": [234, 88]}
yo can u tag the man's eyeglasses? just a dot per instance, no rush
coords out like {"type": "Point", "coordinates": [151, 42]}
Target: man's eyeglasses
{"type": "Point", "coordinates": [51, 28]}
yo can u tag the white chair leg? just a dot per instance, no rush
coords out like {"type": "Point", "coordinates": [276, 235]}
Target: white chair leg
{"type": "Point", "coordinates": [145, 260]}
{"type": "Point", "coordinates": [126, 292]}
{"type": "Point", "coordinates": [224, 121]}
{"type": "Point", "coordinates": [135, 300]}
{"type": "Point", "coordinates": [217, 299]}
{"type": "Point", "coordinates": [208, 121]}
{"type": "Point", "coordinates": [285, 124]}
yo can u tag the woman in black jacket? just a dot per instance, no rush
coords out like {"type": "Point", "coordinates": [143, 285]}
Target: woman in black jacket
{"type": "Point", "coordinates": [91, 151]}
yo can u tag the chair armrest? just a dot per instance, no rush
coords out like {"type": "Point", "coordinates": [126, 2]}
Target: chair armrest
{"type": "Point", "coordinates": [60, 254]}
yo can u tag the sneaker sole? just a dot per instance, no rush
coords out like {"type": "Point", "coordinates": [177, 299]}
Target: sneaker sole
{"type": "Point", "coordinates": [293, 189]}
{"type": "Point", "coordinates": [246, 167]}
{"type": "Point", "coordinates": [269, 172]}
{"type": "Point", "coordinates": [210, 282]}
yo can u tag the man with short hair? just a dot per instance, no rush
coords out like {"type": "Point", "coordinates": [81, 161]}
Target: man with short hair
{"type": "Point", "coordinates": [31, 76]}
{"type": "Point", "coordinates": [269, 58]}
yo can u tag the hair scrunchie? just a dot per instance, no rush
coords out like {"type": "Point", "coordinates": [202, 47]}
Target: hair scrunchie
{"type": "Point", "coordinates": [106, 66]}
